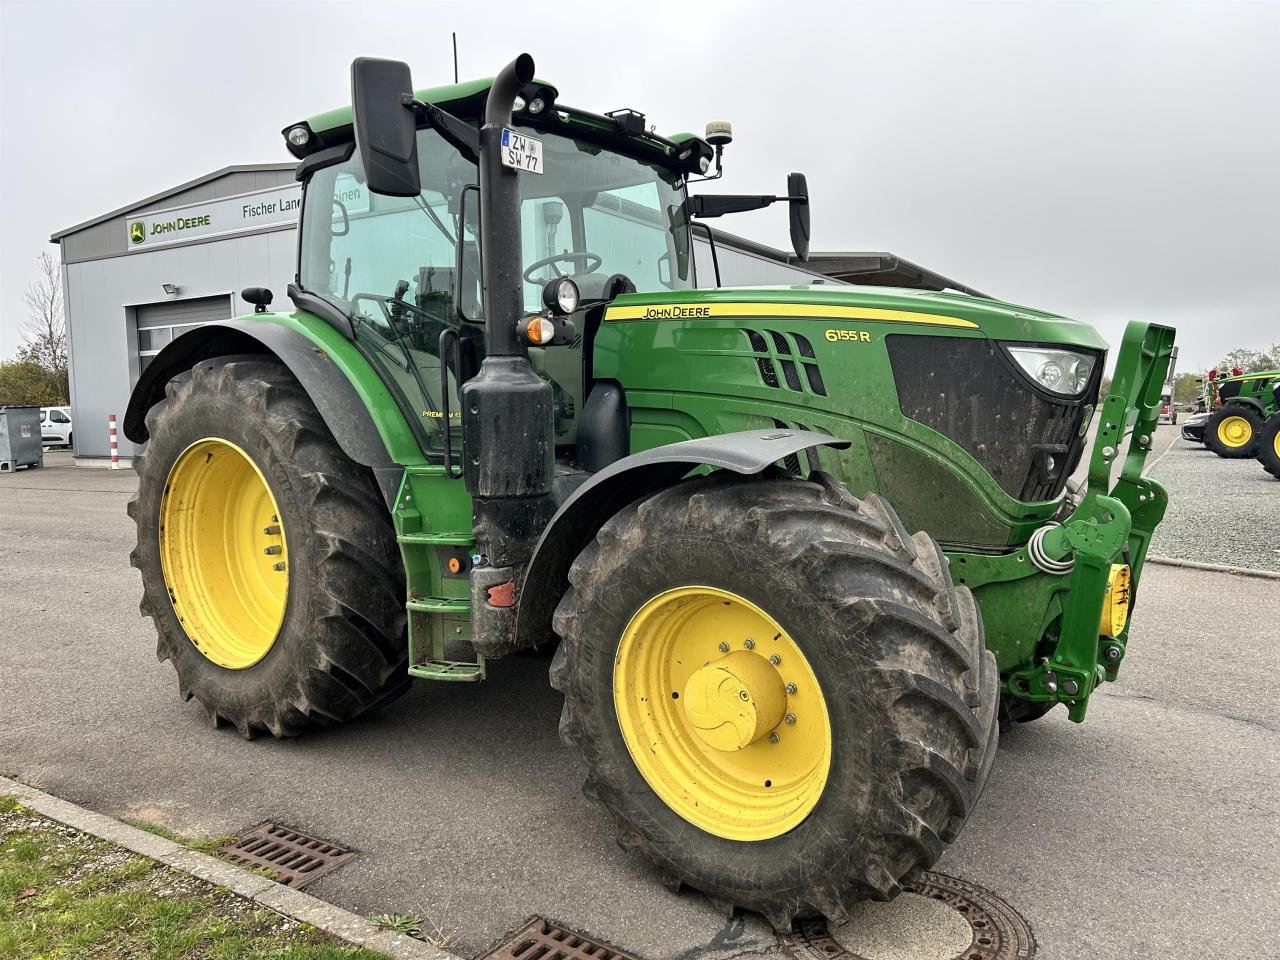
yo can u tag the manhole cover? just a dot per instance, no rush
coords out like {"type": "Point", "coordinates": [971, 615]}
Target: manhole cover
{"type": "Point", "coordinates": [936, 918]}
{"type": "Point", "coordinates": [296, 858]}
{"type": "Point", "coordinates": [541, 939]}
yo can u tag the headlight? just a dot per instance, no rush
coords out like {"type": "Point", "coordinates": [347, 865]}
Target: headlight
{"type": "Point", "coordinates": [560, 295]}
{"type": "Point", "coordinates": [1063, 372]}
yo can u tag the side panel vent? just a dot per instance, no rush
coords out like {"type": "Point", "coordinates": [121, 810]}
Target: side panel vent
{"type": "Point", "coordinates": [776, 352]}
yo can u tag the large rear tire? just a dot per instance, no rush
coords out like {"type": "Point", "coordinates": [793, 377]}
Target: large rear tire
{"type": "Point", "coordinates": [884, 744]}
{"type": "Point", "coordinates": [1232, 431]}
{"type": "Point", "coordinates": [1269, 446]}
{"type": "Point", "coordinates": [269, 564]}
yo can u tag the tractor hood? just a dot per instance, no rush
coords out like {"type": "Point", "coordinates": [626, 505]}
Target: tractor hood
{"type": "Point", "coordinates": [999, 321]}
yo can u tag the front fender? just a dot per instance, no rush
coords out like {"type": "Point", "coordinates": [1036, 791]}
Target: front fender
{"type": "Point", "coordinates": [627, 480]}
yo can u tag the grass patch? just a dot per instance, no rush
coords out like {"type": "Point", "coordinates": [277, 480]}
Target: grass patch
{"type": "Point", "coordinates": [65, 895]}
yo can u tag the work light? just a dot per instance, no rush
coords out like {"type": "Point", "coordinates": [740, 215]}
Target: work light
{"type": "Point", "coordinates": [1063, 372]}
{"type": "Point", "coordinates": [560, 295]}
{"type": "Point", "coordinates": [299, 135]}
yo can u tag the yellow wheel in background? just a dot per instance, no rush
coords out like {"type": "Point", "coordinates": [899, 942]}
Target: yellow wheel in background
{"type": "Point", "coordinates": [223, 553]}
{"type": "Point", "coordinates": [1235, 432]}
{"type": "Point", "coordinates": [721, 713]}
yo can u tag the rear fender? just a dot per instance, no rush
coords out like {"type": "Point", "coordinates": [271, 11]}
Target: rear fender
{"type": "Point", "coordinates": [587, 509]}
{"type": "Point", "coordinates": [346, 390]}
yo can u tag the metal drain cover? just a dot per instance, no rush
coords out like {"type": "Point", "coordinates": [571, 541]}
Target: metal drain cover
{"type": "Point", "coordinates": [296, 858]}
{"type": "Point", "coordinates": [995, 931]}
{"type": "Point", "coordinates": [541, 939]}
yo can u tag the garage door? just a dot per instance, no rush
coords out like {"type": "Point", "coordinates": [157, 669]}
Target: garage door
{"type": "Point", "coordinates": [158, 323]}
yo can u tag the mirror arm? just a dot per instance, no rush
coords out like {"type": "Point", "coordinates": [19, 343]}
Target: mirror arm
{"type": "Point", "coordinates": [462, 136]}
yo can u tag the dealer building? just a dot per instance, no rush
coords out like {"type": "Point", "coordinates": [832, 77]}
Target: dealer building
{"type": "Point", "coordinates": [138, 276]}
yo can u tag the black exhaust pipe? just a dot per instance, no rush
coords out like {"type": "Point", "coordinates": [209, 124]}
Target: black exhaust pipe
{"type": "Point", "coordinates": [506, 408]}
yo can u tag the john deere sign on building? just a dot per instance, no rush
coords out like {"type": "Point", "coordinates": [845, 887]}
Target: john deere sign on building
{"type": "Point", "coordinates": [214, 218]}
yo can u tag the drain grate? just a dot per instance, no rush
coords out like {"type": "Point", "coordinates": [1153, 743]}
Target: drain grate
{"type": "Point", "coordinates": [296, 858]}
{"type": "Point", "coordinates": [998, 931]}
{"type": "Point", "coordinates": [541, 939]}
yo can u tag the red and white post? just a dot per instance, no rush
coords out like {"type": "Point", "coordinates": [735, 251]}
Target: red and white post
{"type": "Point", "coordinates": [115, 444]}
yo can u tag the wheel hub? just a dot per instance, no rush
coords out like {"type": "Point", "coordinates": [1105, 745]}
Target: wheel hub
{"type": "Point", "coordinates": [1235, 431]}
{"type": "Point", "coordinates": [735, 701]}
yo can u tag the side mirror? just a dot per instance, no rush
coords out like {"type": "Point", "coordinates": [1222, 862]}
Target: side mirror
{"type": "Point", "coordinates": [798, 194]}
{"type": "Point", "coordinates": [385, 126]}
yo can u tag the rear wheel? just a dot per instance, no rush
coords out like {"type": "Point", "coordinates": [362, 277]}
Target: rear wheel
{"type": "Point", "coordinates": [1232, 432]}
{"type": "Point", "coordinates": [781, 697]}
{"type": "Point", "coordinates": [1269, 446]}
{"type": "Point", "coordinates": [268, 560]}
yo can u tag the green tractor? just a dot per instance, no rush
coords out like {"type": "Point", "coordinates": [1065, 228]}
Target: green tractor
{"type": "Point", "coordinates": [800, 549]}
{"type": "Point", "coordinates": [1244, 403]}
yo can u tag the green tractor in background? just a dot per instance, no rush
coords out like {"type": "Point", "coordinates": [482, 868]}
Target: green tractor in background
{"type": "Point", "coordinates": [799, 547]}
{"type": "Point", "coordinates": [1244, 403]}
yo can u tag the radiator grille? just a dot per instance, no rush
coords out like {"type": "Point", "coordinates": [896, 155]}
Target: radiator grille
{"type": "Point", "coordinates": [969, 390]}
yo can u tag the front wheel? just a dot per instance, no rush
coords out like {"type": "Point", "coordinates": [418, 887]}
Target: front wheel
{"type": "Point", "coordinates": [781, 697]}
{"type": "Point", "coordinates": [1232, 432]}
{"type": "Point", "coordinates": [1269, 446]}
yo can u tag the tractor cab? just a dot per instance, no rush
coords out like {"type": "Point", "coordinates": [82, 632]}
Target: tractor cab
{"type": "Point", "coordinates": [604, 206]}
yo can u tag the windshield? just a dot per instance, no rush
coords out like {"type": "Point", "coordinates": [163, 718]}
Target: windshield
{"type": "Point", "coordinates": [394, 267]}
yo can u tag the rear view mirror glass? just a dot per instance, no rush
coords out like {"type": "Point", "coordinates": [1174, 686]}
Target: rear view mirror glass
{"type": "Point", "coordinates": [798, 190]}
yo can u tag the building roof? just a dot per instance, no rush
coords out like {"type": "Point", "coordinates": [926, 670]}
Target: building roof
{"type": "Point", "coordinates": [157, 197]}
{"type": "Point", "coordinates": [868, 268]}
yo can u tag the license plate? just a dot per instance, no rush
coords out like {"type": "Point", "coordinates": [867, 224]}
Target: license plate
{"type": "Point", "coordinates": [521, 152]}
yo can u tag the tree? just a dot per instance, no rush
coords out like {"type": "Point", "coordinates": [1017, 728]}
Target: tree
{"type": "Point", "coordinates": [1185, 388]}
{"type": "Point", "coordinates": [46, 327]}
{"type": "Point", "coordinates": [26, 383]}
{"type": "Point", "coordinates": [1252, 361]}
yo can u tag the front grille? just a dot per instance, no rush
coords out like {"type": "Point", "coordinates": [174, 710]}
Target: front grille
{"type": "Point", "coordinates": [969, 390]}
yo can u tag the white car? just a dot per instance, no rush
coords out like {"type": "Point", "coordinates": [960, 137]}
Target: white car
{"type": "Point", "coordinates": [55, 425]}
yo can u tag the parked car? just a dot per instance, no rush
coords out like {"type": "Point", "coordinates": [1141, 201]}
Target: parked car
{"type": "Point", "coordinates": [1193, 427]}
{"type": "Point", "coordinates": [1168, 411]}
{"type": "Point", "coordinates": [55, 425]}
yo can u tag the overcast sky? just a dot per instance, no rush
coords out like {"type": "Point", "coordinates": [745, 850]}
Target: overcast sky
{"type": "Point", "coordinates": [1106, 161]}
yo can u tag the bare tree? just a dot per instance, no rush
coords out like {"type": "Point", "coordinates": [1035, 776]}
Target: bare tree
{"type": "Point", "coordinates": [45, 329]}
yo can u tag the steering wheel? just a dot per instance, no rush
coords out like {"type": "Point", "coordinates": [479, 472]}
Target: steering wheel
{"type": "Point", "coordinates": [591, 261]}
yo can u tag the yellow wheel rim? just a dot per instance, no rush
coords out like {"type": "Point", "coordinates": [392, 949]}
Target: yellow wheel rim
{"type": "Point", "coordinates": [223, 553]}
{"type": "Point", "coordinates": [1115, 602]}
{"type": "Point", "coordinates": [1235, 431]}
{"type": "Point", "coordinates": [722, 713]}
{"type": "Point", "coordinates": [1275, 442]}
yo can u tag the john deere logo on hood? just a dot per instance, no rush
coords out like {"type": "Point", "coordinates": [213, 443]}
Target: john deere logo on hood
{"type": "Point", "coordinates": [137, 231]}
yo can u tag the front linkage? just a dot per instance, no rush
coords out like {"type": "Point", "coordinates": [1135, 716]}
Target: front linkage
{"type": "Point", "coordinates": [1098, 550]}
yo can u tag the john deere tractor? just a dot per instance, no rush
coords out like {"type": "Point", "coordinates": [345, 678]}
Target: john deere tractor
{"type": "Point", "coordinates": [798, 548]}
{"type": "Point", "coordinates": [1243, 404]}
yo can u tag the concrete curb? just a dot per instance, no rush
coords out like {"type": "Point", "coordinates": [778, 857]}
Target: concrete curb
{"type": "Point", "coordinates": [267, 893]}
{"type": "Point", "coordinates": [1214, 567]}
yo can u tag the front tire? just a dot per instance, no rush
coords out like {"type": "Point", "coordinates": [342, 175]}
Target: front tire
{"type": "Point", "coordinates": [1232, 431]}
{"type": "Point", "coordinates": [862, 610]}
{"type": "Point", "coordinates": [1269, 446]}
{"type": "Point", "coordinates": [269, 564]}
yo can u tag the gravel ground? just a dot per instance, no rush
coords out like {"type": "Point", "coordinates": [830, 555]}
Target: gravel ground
{"type": "Point", "coordinates": [1220, 511]}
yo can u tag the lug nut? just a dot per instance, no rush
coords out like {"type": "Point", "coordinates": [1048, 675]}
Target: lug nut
{"type": "Point", "coordinates": [724, 647]}
{"type": "Point", "coordinates": [278, 566]}
{"type": "Point", "coordinates": [775, 659]}
{"type": "Point", "coordinates": [743, 695]}
{"type": "Point", "coordinates": [272, 530]}
{"type": "Point", "coordinates": [774, 738]}
{"type": "Point", "coordinates": [791, 689]}
{"type": "Point", "coordinates": [790, 718]}
{"type": "Point", "coordinates": [273, 549]}
{"type": "Point", "coordinates": [749, 643]}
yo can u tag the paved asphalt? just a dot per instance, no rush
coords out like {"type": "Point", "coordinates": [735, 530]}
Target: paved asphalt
{"type": "Point", "coordinates": [1236, 515]}
{"type": "Point", "coordinates": [1149, 831]}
